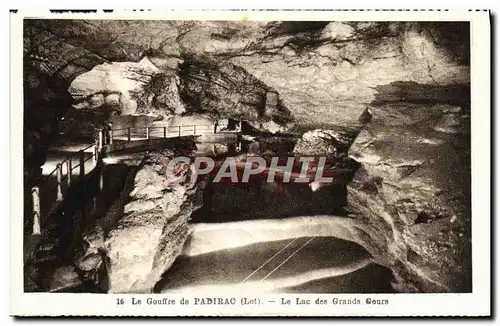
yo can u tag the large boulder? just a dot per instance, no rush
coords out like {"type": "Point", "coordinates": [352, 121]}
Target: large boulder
{"type": "Point", "coordinates": [411, 194]}
{"type": "Point", "coordinates": [226, 90]}
{"type": "Point", "coordinates": [323, 142]}
{"type": "Point", "coordinates": [129, 88]}
{"type": "Point", "coordinates": [151, 233]}
{"type": "Point", "coordinates": [145, 230]}
{"type": "Point", "coordinates": [124, 76]}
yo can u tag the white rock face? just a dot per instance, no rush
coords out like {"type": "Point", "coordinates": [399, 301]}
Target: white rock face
{"type": "Point", "coordinates": [269, 126]}
{"type": "Point", "coordinates": [322, 142]}
{"type": "Point", "coordinates": [150, 234]}
{"type": "Point", "coordinates": [448, 124]}
{"type": "Point", "coordinates": [337, 31]}
{"type": "Point", "coordinates": [329, 78]}
{"type": "Point", "coordinates": [324, 74]}
{"type": "Point", "coordinates": [411, 195]}
{"type": "Point", "coordinates": [120, 78]}
{"type": "Point", "coordinates": [428, 62]}
{"type": "Point", "coordinates": [126, 76]}
{"type": "Point", "coordinates": [146, 227]}
{"type": "Point", "coordinates": [96, 100]}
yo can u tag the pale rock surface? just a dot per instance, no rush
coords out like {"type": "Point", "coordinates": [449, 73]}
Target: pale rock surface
{"type": "Point", "coordinates": [150, 234]}
{"type": "Point", "coordinates": [144, 231]}
{"type": "Point", "coordinates": [323, 142]}
{"type": "Point", "coordinates": [411, 196]}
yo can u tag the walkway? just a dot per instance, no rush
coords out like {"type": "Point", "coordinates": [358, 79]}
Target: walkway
{"type": "Point", "coordinates": [68, 182]}
{"type": "Point", "coordinates": [68, 163]}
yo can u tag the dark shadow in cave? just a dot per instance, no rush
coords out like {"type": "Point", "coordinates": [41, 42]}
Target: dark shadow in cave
{"type": "Point", "coordinates": [259, 199]}
{"type": "Point", "coordinates": [412, 92]}
{"type": "Point", "coordinates": [250, 201]}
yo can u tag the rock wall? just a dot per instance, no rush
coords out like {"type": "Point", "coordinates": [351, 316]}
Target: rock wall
{"type": "Point", "coordinates": [321, 142]}
{"type": "Point", "coordinates": [122, 87]}
{"type": "Point", "coordinates": [229, 91]}
{"type": "Point", "coordinates": [411, 193]}
{"type": "Point", "coordinates": [144, 231]}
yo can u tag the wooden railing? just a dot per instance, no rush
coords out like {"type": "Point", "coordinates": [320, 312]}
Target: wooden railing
{"type": "Point", "coordinates": [149, 132]}
{"type": "Point", "coordinates": [63, 172]}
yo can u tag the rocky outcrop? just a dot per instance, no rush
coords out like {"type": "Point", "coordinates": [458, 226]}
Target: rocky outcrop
{"type": "Point", "coordinates": [145, 230]}
{"type": "Point", "coordinates": [201, 86]}
{"type": "Point", "coordinates": [325, 72]}
{"type": "Point", "coordinates": [229, 91]}
{"type": "Point", "coordinates": [321, 142]}
{"type": "Point", "coordinates": [411, 194]}
{"type": "Point", "coordinates": [129, 88]}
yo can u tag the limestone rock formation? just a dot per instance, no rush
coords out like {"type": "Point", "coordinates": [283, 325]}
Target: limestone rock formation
{"type": "Point", "coordinates": [127, 87]}
{"type": "Point", "coordinates": [412, 194]}
{"type": "Point", "coordinates": [145, 230]}
{"type": "Point", "coordinates": [226, 90]}
{"type": "Point", "coordinates": [321, 142]}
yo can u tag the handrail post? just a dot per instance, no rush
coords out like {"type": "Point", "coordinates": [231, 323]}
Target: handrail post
{"type": "Point", "coordinates": [100, 138]}
{"type": "Point", "coordinates": [95, 151]}
{"type": "Point", "coordinates": [147, 132]}
{"type": "Point", "coordinates": [164, 132]}
{"type": "Point", "coordinates": [35, 193]}
{"type": "Point", "coordinates": [59, 182]}
{"type": "Point", "coordinates": [128, 134]}
{"type": "Point", "coordinates": [82, 163]}
{"type": "Point", "coordinates": [110, 136]}
{"type": "Point", "coordinates": [68, 170]}
{"type": "Point", "coordinates": [179, 130]}
{"type": "Point", "coordinates": [194, 129]}
{"type": "Point", "coordinates": [101, 179]}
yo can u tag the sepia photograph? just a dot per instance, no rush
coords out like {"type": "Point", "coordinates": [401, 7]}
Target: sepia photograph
{"type": "Point", "coordinates": [215, 157]}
